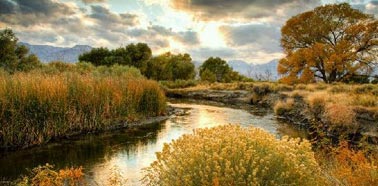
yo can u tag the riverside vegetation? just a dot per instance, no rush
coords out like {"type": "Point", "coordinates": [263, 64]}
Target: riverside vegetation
{"type": "Point", "coordinates": [341, 118]}
{"type": "Point", "coordinates": [60, 100]}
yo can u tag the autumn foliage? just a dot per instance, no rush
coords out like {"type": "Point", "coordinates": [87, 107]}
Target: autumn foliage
{"type": "Point", "coordinates": [231, 155]}
{"type": "Point", "coordinates": [332, 43]}
{"type": "Point", "coordinates": [345, 166]}
{"type": "Point", "coordinates": [47, 176]}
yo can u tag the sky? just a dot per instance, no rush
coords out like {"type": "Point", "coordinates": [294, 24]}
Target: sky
{"type": "Point", "coordinates": [247, 30]}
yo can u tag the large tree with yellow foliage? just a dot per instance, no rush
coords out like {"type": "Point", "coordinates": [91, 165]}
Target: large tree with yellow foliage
{"type": "Point", "coordinates": [332, 43]}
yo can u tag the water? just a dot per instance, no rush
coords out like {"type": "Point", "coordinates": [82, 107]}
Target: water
{"type": "Point", "coordinates": [130, 151]}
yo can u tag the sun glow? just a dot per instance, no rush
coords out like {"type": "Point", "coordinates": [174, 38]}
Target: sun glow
{"type": "Point", "coordinates": [175, 46]}
{"type": "Point", "coordinates": [210, 36]}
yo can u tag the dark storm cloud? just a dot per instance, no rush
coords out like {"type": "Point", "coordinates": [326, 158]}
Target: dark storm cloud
{"type": "Point", "coordinates": [264, 37]}
{"type": "Point", "coordinates": [6, 7]}
{"type": "Point", "coordinates": [46, 7]}
{"type": "Point", "coordinates": [21, 12]}
{"type": "Point", "coordinates": [236, 9]}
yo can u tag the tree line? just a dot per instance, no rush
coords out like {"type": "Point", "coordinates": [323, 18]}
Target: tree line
{"type": "Point", "coordinates": [164, 67]}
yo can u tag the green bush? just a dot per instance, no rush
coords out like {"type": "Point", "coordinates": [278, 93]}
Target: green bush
{"type": "Point", "coordinates": [231, 155]}
{"type": "Point", "coordinates": [179, 84]}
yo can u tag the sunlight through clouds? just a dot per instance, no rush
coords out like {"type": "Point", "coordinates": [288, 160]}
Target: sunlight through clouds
{"type": "Point", "coordinates": [210, 36]}
{"type": "Point", "coordinates": [202, 28]}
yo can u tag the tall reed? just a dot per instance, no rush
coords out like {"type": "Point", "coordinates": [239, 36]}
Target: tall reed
{"type": "Point", "coordinates": [35, 107]}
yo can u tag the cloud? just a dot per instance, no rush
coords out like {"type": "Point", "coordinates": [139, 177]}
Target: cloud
{"type": "Point", "coordinates": [372, 8]}
{"type": "Point", "coordinates": [188, 37]}
{"type": "Point", "coordinates": [261, 36]}
{"type": "Point", "coordinates": [93, 1]}
{"type": "Point", "coordinates": [107, 18]}
{"type": "Point", "coordinates": [156, 31]}
{"type": "Point", "coordinates": [238, 9]}
{"type": "Point", "coordinates": [19, 12]}
{"type": "Point", "coordinates": [6, 7]}
{"type": "Point", "coordinates": [204, 52]}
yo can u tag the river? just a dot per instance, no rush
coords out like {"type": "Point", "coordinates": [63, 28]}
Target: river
{"type": "Point", "coordinates": [127, 152]}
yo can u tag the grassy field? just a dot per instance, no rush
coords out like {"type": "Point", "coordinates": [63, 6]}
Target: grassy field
{"type": "Point", "coordinates": [57, 101]}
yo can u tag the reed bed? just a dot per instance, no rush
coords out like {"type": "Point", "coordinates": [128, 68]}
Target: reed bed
{"type": "Point", "coordinates": [36, 107]}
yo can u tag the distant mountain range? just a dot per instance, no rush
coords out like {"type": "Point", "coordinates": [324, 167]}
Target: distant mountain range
{"type": "Point", "coordinates": [48, 53]}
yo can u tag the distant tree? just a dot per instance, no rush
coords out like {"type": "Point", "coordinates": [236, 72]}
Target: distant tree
{"type": "Point", "coordinates": [208, 76]}
{"type": "Point", "coordinates": [170, 67]}
{"type": "Point", "coordinates": [97, 56]}
{"type": "Point", "coordinates": [15, 57]}
{"type": "Point", "coordinates": [180, 67]}
{"type": "Point", "coordinates": [217, 66]}
{"type": "Point", "coordinates": [135, 55]}
{"type": "Point", "coordinates": [332, 43]}
{"type": "Point", "coordinates": [138, 55]}
{"type": "Point", "coordinates": [155, 68]}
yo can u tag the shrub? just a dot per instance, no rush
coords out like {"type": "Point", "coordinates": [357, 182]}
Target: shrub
{"type": "Point", "coordinates": [339, 88]}
{"type": "Point", "coordinates": [179, 83]}
{"type": "Point", "coordinates": [364, 89]}
{"type": "Point", "coordinates": [300, 86]}
{"type": "Point", "coordinates": [262, 89]}
{"type": "Point", "coordinates": [284, 107]}
{"type": "Point", "coordinates": [47, 176]}
{"type": "Point", "coordinates": [365, 100]}
{"type": "Point", "coordinates": [346, 166]}
{"type": "Point", "coordinates": [231, 155]}
{"type": "Point", "coordinates": [340, 115]}
{"type": "Point", "coordinates": [283, 87]}
{"type": "Point", "coordinates": [316, 102]}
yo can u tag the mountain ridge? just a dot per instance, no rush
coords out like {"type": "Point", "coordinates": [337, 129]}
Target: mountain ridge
{"type": "Point", "coordinates": [47, 53]}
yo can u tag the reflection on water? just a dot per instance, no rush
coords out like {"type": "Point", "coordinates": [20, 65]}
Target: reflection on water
{"type": "Point", "coordinates": [130, 151]}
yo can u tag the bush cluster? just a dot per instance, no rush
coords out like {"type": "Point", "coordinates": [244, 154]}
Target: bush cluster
{"type": "Point", "coordinates": [231, 155]}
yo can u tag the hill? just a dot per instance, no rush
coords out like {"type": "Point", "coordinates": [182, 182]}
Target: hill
{"type": "Point", "coordinates": [48, 53]}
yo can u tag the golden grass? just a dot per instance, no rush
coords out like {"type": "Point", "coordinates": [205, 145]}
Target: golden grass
{"type": "Point", "coordinates": [341, 115]}
{"type": "Point", "coordinates": [35, 107]}
{"type": "Point", "coordinates": [283, 107]}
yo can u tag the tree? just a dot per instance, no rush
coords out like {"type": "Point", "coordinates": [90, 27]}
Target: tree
{"type": "Point", "coordinates": [135, 55]}
{"type": "Point", "coordinates": [170, 67]}
{"type": "Point", "coordinates": [97, 56]}
{"type": "Point", "coordinates": [217, 66]}
{"type": "Point", "coordinates": [208, 76]}
{"type": "Point", "coordinates": [332, 43]}
{"type": "Point", "coordinates": [14, 57]}
{"type": "Point", "coordinates": [139, 54]}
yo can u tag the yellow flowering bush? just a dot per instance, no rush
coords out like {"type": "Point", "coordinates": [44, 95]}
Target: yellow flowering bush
{"type": "Point", "coordinates": [231, 155]}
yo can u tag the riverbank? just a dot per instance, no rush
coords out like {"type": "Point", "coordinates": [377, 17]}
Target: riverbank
{"type": "Point", "coordinates": [38, 107]}
{"type": "Point", "coordinates": [134, 148]}
{"type": "Point", "coordinates": [331, 112]}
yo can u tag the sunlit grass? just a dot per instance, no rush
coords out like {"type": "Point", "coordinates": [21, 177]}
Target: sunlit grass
{"type": "Point", "coordinates": [35, 107]}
